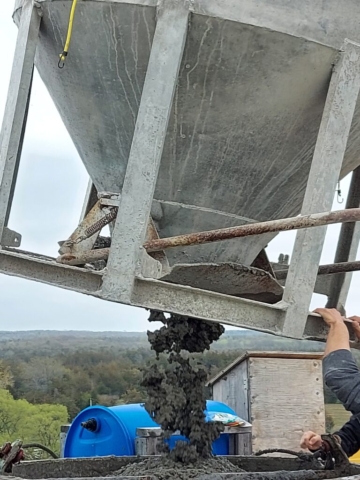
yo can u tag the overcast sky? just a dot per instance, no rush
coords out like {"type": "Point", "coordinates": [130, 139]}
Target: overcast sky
{"type": "Point", "coordinates": [47, 206]}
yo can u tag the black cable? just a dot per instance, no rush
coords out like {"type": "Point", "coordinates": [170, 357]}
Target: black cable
{"type": "Point", "coordinates": [42, 447]}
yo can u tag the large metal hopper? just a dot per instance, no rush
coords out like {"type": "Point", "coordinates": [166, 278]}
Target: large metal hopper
{"type": "Point", "coordinates": [252, 82]}
{"type": "Point", "coordinates": [246, 111]}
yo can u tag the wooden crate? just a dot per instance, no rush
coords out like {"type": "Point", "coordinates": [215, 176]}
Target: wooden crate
{"type": "Point", "coordinates": [149, 440]}
{"type": "Point", "coordinates": [279, 393]}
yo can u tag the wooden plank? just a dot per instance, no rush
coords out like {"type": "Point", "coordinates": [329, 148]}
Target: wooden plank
{"type": "Point", "coordinates": [259, 354]}
{"type": "Point", "coordinates": [295, 355]}
{"type": "Point", "coordinates": [232, 390]}
{"type": "Point", "coordinates": [286, 399]}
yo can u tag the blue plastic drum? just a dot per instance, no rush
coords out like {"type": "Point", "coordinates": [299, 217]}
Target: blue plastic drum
{"type": "Point", "coordinates": [112, 431]}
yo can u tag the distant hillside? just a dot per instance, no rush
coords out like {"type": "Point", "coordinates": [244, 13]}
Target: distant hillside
{"type": "Point", "coordinates": [51, 343]}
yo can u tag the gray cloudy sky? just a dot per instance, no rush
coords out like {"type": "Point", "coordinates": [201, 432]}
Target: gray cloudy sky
{"type": "Point", "coordinates": [47, 207]}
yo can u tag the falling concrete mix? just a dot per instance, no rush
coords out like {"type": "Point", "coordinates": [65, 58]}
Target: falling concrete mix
{"type": "Point", "coordinates": [177, 400]}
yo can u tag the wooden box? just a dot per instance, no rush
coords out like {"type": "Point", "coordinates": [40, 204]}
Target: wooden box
{"type": "Point", "coordinates": [279, 393]}
{"type": "Point", "coordinates": [149, 440]}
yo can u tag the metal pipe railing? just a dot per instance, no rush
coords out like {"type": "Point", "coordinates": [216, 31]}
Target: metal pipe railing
{"type": "Point", "coordinates": [330, 269]}
{"type": "Point", "coordinates": [286, 224]}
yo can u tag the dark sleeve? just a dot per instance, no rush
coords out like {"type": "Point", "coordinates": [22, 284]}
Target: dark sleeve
{"type": "Point", "coordinates": [342, 376]}
{"type": "Point", "coordinates": [350, 436]}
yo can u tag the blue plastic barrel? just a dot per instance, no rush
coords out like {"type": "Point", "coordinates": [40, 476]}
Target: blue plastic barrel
{"type": "Point", "coordinates": [112, 430]}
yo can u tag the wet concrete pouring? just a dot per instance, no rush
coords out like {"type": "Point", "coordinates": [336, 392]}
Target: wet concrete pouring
{"type": "Point", "coordinates": [177, 401]}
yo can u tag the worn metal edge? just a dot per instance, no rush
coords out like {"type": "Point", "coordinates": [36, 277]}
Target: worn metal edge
{"type": "Point", "coordinates": [141, 3]}
{"type": "Point", "coordinates": [207, 305]}
{"type": "Point", "coordinates": [50, 273]}
{"type": "Point", "coordinates": [158, 295]}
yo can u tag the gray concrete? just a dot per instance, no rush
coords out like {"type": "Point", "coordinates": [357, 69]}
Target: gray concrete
{"type": "Point", "coordinates": [102, 466]}
{"type": "Point", "coordinates": [71, 467]}
{"type": "Point", "coordinates": [146, 150]}
{"type": "Point", "coordinates": [278, 475]}
{"type": "Point", "coordinates": [324, 174]}
{"type": "Point", "coordinates": [16, 109]}
{"type": "Point", "coordinates": [228, 278]}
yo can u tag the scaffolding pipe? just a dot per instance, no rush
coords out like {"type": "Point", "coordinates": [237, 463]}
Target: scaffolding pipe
{"type": "Point", "coordinates": [293, 223]}
{"type": "Point", "coordinates": [285, 224]}
{"type": "Point", "coordinates": [330, 269]}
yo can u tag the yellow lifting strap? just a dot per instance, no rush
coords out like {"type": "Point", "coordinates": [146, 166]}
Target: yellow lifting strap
{"type": "Point", "coordinates": [65, 51]}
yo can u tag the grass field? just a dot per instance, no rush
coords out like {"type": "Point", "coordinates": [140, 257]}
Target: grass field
{"type": "Point", "coordinates": [338, 414]}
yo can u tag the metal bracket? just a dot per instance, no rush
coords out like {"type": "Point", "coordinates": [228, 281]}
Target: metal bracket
{"type": "Point", "coordinates": [10, 238]}
{"type": "Point", "coordinates": [81, 239]}
{"type": "Point", "coordinates": [78, 249]}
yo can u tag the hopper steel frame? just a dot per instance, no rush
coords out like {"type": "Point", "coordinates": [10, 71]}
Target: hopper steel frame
{"type": "Point", "coordinates": [131, 276]}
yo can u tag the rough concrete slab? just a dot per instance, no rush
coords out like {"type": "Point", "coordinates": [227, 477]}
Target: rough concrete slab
{"type": "Point", "coordinates": [229, 279]}
{"type": "Point", "coordinates": [71, 467]}
{"type": "Point", "coordinates": [101, 466]}
{"type": "Point", "coordinates": [142, 477]}
{"type": "Point", "coordinates": [280, 475]}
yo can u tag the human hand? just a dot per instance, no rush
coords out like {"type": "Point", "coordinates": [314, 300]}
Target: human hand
{"type": "Point", "coordinates": [356, 325]}
{"type": "Point", "coordinates": [311, 441]}
{"type": "Point", "coordinates": [330, 315]}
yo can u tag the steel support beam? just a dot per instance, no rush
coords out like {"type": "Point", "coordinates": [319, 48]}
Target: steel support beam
{"type": "Point", "coordinates": [16, 109]}
{"type": "Point", "coordinates": [155, 294]}
{"type": "Point", "coordinates": [146, 150]}
{"type": "Point", "coordinates": [207, 305]}
{"type": "Point", "coordinates": [324, 174]}
{"type": "Point", "coordinates": [347, 248]}
{"type": "Point", "coordinates": [345, 285]}
{"type": "Point", "coordinates": [48, 272]}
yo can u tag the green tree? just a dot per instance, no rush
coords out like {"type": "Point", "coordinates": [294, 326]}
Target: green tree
{"type": "Point", "coordinates": [44, 424]}
{"type": "Point", "coordinates": [30, 423]}
{"type": "Point", "coordinates": [132, 395]}
{"type": "Point", "coordinates": [6, 376]}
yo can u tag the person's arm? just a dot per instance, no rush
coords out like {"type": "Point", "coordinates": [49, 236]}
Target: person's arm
{"type": "Point", "coordinates": [338, 336]}
{"type": "Point", "coordinates": [341, 373]}
{"type": "Point", "coordinates": [342, 376]}
{"type": "Point", "coordinates": [350, 436]}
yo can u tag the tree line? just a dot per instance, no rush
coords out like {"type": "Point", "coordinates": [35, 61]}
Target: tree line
{"type": "Point", "coordinates": [47, 378]}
